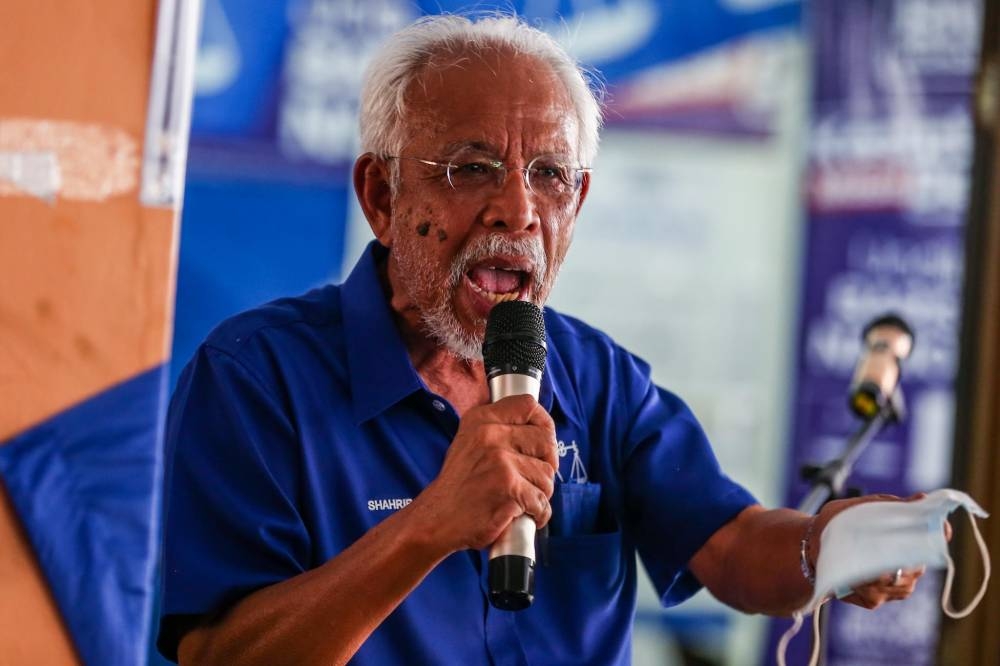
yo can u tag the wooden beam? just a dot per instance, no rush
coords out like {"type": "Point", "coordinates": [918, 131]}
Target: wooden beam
{"type": "Point", "coordinates": [975, 641]}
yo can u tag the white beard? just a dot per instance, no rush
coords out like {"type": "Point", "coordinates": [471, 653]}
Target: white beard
{"type": "Point", "coordinates": [439, 319]}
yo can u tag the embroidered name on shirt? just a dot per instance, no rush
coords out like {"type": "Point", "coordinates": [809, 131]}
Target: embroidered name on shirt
{"type": "Point", "coordinates": [390, 504]}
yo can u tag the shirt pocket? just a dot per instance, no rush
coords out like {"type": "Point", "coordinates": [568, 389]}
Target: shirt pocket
{"type": "Point", "coordinates": [581, 587]}
{"type": "Point", "coordinates": [575, 508]}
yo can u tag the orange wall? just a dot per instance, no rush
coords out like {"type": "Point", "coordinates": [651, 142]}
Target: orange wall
{"type": "Point", "coordinates": [87, 276]}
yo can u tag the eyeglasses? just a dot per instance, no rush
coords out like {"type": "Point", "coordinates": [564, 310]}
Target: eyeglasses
{"type": "Point", "coordinates": [544, 175]}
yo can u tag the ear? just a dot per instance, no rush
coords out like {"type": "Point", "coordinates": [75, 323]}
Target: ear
{"type": "Point", "coordinates": [371, 184]}
{"type": "Point", "coordinates": [584, 188]}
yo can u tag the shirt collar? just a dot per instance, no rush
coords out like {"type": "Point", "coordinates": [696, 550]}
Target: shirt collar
{"type": "Point", "coordinates": [553, 394]}
{"type": "Point", "coordinates": [380, 369]}
{"type": "Point", "coordinates": [381, 372]}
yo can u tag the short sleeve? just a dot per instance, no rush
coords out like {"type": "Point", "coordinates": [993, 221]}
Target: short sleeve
{"type": "Point", "coordinates": [676, 494]}
{"type": "Point", "coordinates": [231, 521]}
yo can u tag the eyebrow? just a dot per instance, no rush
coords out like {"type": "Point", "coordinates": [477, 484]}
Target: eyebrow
{"type": "Point", "coordinates": [480, 146]}
{"type": "Point", "coordinates": [489, 149]}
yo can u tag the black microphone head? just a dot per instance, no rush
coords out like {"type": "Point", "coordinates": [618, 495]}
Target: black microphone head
{"type": "Point", "coordinates": [515, 336]}
{"type": "Point", "coordinates": [889, 320]}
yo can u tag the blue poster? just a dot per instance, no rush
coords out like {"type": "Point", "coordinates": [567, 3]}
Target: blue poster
{"type": "Point", "coordinates": [286, 74]}
{"type": "Point", "coordinates": [695, 66]}
{"type": "Point", "coordinates": [887, 182]}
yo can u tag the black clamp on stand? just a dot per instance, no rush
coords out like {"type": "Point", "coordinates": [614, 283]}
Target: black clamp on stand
{"type": "Point", "coordinates": [876, 397]}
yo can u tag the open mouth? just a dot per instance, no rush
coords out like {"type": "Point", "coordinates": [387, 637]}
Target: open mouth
{"type": "Point", "coordinates": [498, 282]}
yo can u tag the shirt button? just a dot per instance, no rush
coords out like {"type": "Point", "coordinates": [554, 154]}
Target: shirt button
{"type": "Point", "coordinates": [438, 405]}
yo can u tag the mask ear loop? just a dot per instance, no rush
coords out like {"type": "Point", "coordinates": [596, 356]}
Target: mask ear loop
{"type": "Point", "coordinates": [946, 606]}
{"type": "Point", "coordinates": [814, 657]}
{"type": "Point", "coordinates": [791, 632]}
{"type": "Point", "coordinates": [788, 636]}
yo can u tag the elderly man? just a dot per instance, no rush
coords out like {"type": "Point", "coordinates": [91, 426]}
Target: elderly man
{"type": "Point", "coordinates": [337, 470]}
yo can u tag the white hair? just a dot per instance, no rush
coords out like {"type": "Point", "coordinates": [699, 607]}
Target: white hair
{"type": "Point", "coordinates": [390, 73]}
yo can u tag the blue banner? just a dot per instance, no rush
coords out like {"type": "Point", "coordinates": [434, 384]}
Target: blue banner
{"type": "Point", "coordinates": [694, 66]}
{"type": "Point", "coordinates": [287, 73]}
{"type": "Point", "coordinates": [887, 185]}
{"type": "Point", "coordinates": [624, 37]}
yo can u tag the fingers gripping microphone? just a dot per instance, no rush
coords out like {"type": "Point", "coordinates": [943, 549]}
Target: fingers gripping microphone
{"type": "Point", "coordinates": [514, 357]}
{"type": "Point", "coordinates": [888, 342]}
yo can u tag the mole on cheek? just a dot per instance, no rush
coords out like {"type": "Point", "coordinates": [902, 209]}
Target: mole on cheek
{"type": "Point", "coordinates": [424, 228]}
{"type": "Point", "coordinates": [442, 236]}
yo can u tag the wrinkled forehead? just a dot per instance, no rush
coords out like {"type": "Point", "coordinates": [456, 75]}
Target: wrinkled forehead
{"type": "Point", "coordinates": [492, 97]}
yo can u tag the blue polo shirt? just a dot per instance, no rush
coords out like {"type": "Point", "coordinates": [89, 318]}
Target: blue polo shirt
{"type": "Point", "coordinates": [300, 425]}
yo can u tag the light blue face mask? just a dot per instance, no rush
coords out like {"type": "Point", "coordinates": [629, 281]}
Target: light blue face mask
{"type": "Point", "coordinates": [869, 540]}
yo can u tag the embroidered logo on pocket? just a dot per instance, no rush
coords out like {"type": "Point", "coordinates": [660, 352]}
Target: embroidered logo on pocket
{"type": "Point", "coordinates": [577, 472]}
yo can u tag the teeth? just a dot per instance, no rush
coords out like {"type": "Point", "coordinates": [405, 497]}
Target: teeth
{"type": "Point", "coordinates": [496, 298]}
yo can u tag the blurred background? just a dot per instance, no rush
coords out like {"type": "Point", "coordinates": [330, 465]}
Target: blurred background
{"type": "Point", "coordinates": [773, 174]}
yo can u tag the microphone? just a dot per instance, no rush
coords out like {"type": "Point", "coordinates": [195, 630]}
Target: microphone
{"type": "Point", "coordinates": [514, 358]}
{"type": "Point", "coordinates": [888, 342]}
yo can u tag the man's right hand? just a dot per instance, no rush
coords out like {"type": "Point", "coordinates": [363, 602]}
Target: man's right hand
{"type": "Point", "coordinates": [500, 465]}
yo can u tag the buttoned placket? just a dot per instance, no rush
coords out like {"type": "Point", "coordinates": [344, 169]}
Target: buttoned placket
{"type": "Point", "coordinates": [503, 646]}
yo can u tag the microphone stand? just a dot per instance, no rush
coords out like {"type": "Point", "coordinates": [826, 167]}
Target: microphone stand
{"type": "Point", "coordinates": [829, 479]}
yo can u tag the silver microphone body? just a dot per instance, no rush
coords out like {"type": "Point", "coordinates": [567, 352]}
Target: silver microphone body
{"type": "Point", "coordinates": [514, 351]}
{"type": "Point", "coordinates": [519, 537]}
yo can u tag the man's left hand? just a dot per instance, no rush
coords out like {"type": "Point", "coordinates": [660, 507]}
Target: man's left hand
{"type": "Point", "coordinates": [891, 587]}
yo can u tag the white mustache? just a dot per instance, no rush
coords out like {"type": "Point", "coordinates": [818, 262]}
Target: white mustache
{"type": "Point", "coordinates": [500, 244]}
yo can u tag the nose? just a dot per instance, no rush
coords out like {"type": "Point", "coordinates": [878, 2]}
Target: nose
{"type": "Point", "coordinates": [512, 205]}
